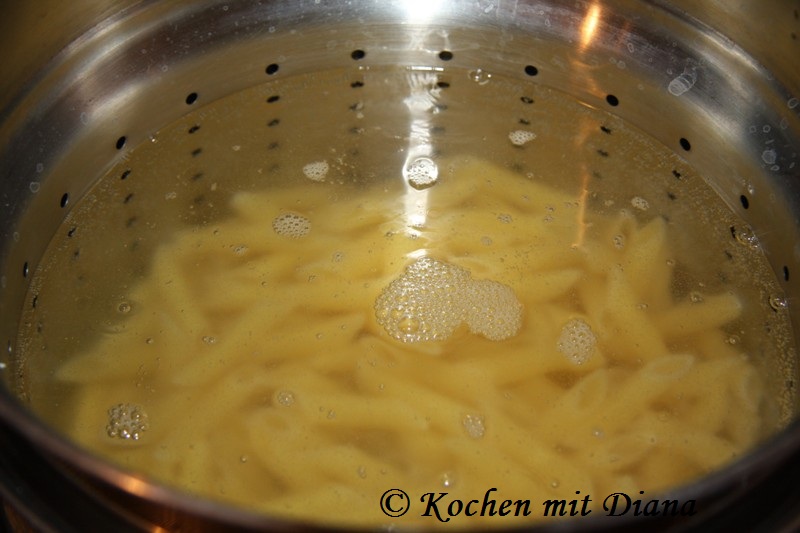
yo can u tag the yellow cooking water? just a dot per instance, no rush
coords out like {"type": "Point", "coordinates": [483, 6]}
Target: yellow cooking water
{"type": "Point", "coordinates": [304, 295]}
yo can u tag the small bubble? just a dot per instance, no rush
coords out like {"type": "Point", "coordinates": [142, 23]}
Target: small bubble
{"type": "Point", "coordinates": [149, 340]}
{"type": "Point", "coordinates": [480, 76]}
{"type": "Point", "coordinates": [683, 82]}
{"type": "Point", "coordinates": [448, 480]}
{"type": "Point", "coordinates": [769, 156]}
{"type": "Point", "coordinates": [421, 173]}
{"type": "Point", "coordinates": [734, 339]}
{"type": "Point", "coordinates": [331, 414]}
{"type": "Point", "coordinates": [124, 308]}
{"type": "Point", "coordinates": [554, 483]}
{"type": "Point", "coordinates": [474, 426]}
{"type": "Point", "coordinates": [243, 459]}
{"type": "Point", "coordinates": [285, 398]}
{"type": "Point", "coordinates": [597, 432]}
{"type": "Point", "coordinates": [34, 186]}
{"type": "Point", "coordinates": [792, 102]}
{"type": "Point", "coordinates": [696, 297]}
{"type": "Point", "coordinates": [208, 339]}
{"type": "Point", "coordinates": [778, 302]}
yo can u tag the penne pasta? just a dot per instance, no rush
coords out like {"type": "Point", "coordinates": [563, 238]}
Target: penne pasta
{"type": "Point", "coordinates": [264, 361]}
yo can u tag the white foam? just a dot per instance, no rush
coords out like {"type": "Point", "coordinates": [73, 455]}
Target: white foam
{"type": "Point", "coordinates": [421, 173]}
{"type": "Point", "coordinates": [640, 203]}
{"type": "Point", "coordinates": [126, 421]}
{"type": "Point", "coordinates": [521, 137]}
{"type": "Point", "coordinates": [474, 426]}
{"type": "Point", "coordinates": [432, 298]}
{"type": "Point", "coordinates": [291, 225]}
{"type": "Point", "coordinates": [317, 170]}
{"type": "Point", "coordinates": [420, 305]}
{"type": "Point", "coordinates": [492, 310]}
{"type": "Point", "coordinates": [577, 341]}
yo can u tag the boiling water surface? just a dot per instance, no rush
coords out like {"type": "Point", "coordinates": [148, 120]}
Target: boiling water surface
{"type": "Point", "coordinates": [332, 285]}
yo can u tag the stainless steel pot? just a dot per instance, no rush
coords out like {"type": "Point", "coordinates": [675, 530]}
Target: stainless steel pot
{"type": "Point", "coordinates": [717, 82]}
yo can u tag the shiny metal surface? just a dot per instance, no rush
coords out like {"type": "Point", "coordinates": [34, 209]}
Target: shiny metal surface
{"type": "Point", "coordinates": [718, 82]}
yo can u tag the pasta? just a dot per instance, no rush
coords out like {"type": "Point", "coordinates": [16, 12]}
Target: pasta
{"type": "Point", "coordinates": [269, 382]}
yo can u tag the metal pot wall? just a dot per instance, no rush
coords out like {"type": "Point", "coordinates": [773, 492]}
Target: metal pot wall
{"type": "Point", "coordinates": [126, 68]}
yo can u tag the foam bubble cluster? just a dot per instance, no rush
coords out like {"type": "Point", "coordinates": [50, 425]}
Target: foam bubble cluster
{"type": "Point", "coordinates": [520, 137]}
{"type": "Point", "coordinates": [474, 426]}
{"type": "Point", "coordinates": [577, 341]}
{"type": "Point", "coordinates": [422, 173]}
{"type": "Point", "coordinates": [316, 171]}
{"type": "Point", "coordinates": [640, 203]}
{"type": "Point", "coordinates": [493, 309]}
{"type": "Point", "coordinates": [432, 298]}
{"type": "Point", "coordinates": [291, 225]}
{"type": "Point", "coordinates": [126, 421]}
